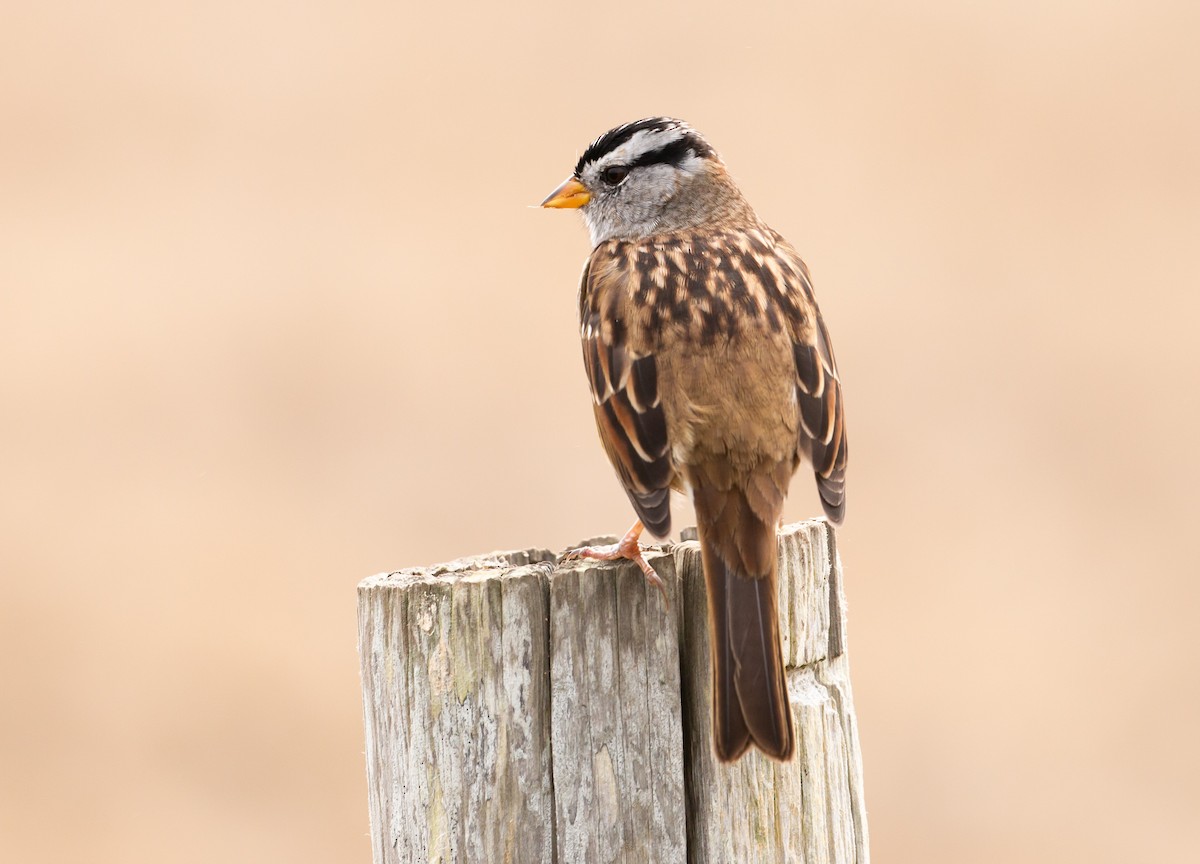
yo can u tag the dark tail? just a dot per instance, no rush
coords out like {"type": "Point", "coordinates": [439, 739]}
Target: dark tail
{"type": "Point", "coordinates": [749, 693]}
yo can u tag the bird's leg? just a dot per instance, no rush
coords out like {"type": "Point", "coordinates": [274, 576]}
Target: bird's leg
{"type": "Point", "coordinates": [626, 547]}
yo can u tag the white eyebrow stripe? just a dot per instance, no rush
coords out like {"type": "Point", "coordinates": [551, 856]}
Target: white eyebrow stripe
{"type": "Point", "coordinates": [643, 141]}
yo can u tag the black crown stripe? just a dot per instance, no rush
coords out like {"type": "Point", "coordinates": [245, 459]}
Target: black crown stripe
{"type": "Point", "coordinates": [672, 153]}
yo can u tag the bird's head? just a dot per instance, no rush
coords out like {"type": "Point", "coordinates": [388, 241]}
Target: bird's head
{"type": "Point", "coordinates": [647, 177]}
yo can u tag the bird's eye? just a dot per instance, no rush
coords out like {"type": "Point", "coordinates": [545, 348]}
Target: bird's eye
{"type": "Point", "coordinates": [614, 174]}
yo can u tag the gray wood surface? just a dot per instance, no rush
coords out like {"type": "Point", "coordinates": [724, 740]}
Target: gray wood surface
{"type": "Point", "coordinates": [519, 713]}
{"type": "Point", "coordinates": [615, 708]}
{"type": "Point", "coordinates": [456, 709]}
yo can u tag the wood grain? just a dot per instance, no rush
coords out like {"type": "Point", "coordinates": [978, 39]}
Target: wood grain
{"type": "Point", "coordinates": [456, 709]}
{"type": "Point", "coordinates": [615, 703]}
{"type": "Point", "coordinates": [516, 712]}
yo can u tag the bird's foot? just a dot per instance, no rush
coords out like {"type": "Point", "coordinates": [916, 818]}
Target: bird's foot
{"type": "Point", "coordinates": [627, 547]}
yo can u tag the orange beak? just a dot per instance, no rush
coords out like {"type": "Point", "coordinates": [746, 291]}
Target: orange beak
{"type": "Point", "coordinates": [569, 196]}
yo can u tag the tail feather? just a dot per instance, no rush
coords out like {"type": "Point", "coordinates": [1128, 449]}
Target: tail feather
{"type": "Point", "coordinates": [749, 693]}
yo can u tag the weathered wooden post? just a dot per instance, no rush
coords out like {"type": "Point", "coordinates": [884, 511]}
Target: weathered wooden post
{"type": "Point", "coordinates": [516, 712]}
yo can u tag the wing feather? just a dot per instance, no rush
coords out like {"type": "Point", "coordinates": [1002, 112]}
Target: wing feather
{"type": "Point", "coordinates": [818, 391]}
{"type": "Point", "coordinates": [629, 411]}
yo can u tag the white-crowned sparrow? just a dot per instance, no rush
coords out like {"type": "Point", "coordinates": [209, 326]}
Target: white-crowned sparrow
{"type": "Point", "coordinates": [711, 373]}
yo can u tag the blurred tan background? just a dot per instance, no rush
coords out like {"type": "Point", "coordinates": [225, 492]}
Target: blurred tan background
{"type": "Point", "coordinates": [275, 316]}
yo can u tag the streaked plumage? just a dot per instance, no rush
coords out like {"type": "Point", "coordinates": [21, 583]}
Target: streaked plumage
{"type": "Point", "coordinates": [711, 372]}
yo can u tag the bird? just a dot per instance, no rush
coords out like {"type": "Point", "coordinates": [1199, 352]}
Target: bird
{"type": "Point", "coordinates": [712, 374]}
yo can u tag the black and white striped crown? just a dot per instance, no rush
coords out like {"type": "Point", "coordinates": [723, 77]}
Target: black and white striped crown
{"type": "Point", "coordinates": [658, 140]}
